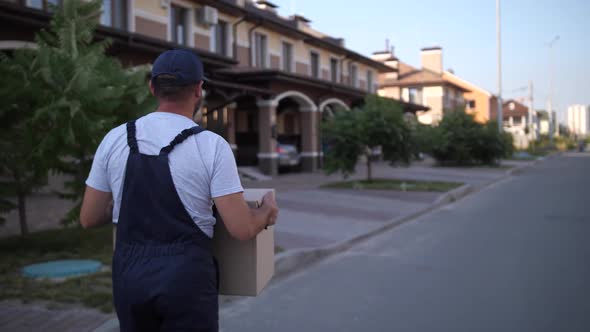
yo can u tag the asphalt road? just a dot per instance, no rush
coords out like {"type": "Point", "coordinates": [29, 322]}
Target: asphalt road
{"type": "Point", "coordinates": [513, 257]}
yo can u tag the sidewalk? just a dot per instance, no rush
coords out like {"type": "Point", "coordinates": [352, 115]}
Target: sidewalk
{"type": "Point", "coordinates": [18, 317]}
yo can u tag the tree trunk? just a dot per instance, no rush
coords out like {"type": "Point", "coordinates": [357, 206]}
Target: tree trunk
{"type": "Point", "coordinates": [369, 169]}
{"type": "Point", "coordinates": [22, 214]}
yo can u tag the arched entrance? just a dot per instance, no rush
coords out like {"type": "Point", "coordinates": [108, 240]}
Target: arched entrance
{"type": "Point", "coordinates": [328, 109]}
{"type": "Point", "coordinates": [290, 118]}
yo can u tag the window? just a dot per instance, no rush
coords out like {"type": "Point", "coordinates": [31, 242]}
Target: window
{"type": "Point", "coordinates": [287, 57]}
{"type": "Point", "coordinates": [370, 81]}
{"type": "Point", "coordinates": [415, 96]}
{"type": "Point", "coordinates": [353, 72]}
{"type": "Point", "coordinates": [43, 4]}
{"type": "Point", "coordinates": [219, 33]}
{"type": "Point", "coordinates": [260, 50]}
{"type": "Point", "coordinates": [178, 24]}
{"type": "Point", "coordinates": [315, 64]}
{"type": "Point", "coordinates": [114, 14]}
{"type": "Point", "coordinates": [334, 69]}
{"type": "Point", "coordinates": [471, 104]}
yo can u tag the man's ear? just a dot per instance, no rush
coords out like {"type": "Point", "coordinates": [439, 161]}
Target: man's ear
{"type": "Point", "coordinates": [199, 90]}
{"type": "Point", "coordinates": [152, 88]}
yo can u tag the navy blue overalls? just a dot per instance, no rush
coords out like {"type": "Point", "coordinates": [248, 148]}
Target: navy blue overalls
{"type": "Point", "coordinates": [164, 275]}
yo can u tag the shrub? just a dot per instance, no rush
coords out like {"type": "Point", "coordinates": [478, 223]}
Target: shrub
{"type": "Point", "coordinates": [378, 124]}
{"type": "Point", "coordinates": [460, 140]}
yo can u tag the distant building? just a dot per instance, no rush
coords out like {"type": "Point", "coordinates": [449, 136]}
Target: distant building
{"type": "Point", "coordinates": [425, 86]}
{"type": "Point", "coordinates": [515, 121]}
{"type": "Point", "coordinates": [578, 119]}
{"type": "Point", "coordinates": [479, 102]}
{"type": "Point", "coordinates": [543, 121]}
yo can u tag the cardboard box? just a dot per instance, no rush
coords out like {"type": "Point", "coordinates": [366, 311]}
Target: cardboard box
{"type": "Point", "coordinates": [245, 267]}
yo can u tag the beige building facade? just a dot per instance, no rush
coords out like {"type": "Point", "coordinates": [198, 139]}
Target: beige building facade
{"type": "Point", "coordinates": [425, 86]}
{"type": "Point", "coordinates": [273, 79]}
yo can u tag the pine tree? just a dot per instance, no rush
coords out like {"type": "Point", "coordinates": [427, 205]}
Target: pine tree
{"type": "Point", "coordinates": [23, 163]}
{"type": "Point", "coordinates": [92, 92]}
{"type": "Point", "coordinates": [78, 94]}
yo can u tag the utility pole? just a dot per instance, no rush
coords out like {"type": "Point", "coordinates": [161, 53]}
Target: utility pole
{"type": "Point", "coordinates": [550, 101]}
{"type": "Point", "coordinates": [532, 134]}
{"type": "Point", "coordinates": [499, 41]}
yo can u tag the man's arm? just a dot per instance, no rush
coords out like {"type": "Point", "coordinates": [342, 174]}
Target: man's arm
{"type": "Point", "coordinates": [244, 222]}
{"type": "Point", "coordinates": [97, 208]}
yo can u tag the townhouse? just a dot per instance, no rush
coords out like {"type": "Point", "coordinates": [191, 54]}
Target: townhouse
{"type": "Point", "coordinates": [271, 78]}
{"type": "Point", "coordinates": [425, 86]}
{"type": "Point", "coordinates": [478, 101]}
{"type": "Point", "coordinates": [515, 118]}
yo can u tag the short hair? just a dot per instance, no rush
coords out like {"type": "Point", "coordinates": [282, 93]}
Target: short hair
{"type": "Point", "coordinates": [165, 88]}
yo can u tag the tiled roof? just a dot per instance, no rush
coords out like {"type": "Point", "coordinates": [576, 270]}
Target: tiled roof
{"type": "Point", "coordinates": [409, 75]}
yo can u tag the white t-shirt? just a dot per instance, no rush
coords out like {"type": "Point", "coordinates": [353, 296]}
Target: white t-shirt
{"type": "Point", "coordinates": [203, 167]}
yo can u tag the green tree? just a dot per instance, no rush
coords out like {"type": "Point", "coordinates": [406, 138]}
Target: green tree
{"type": "Point", "coordinates": [91, 92]}
{"type": "Point", "coordinates": [23, 158]}
{"type": "Point", "coordinates": [79, 94]}
{"type": "Point", "coordinates": [379, 124]}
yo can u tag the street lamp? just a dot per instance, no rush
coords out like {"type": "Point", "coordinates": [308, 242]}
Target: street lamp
{"type": "Point", "coordinates": [550, 101]}
{"type": "Point", "coordinates": [499, 40]}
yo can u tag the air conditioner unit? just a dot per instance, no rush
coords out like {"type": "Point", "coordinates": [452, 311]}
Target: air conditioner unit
{"type": "Point", "coordinates": [207, 15]}
{"type": "Point", "coordinates": [165, 3]}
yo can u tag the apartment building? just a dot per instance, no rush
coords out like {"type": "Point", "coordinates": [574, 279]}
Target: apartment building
{"type": "Point", "coordinates": [272, 78]}
{"type": "Point", "coordinates": [425, 86]}
{"type": "Point", "coordinates": [578, 120]}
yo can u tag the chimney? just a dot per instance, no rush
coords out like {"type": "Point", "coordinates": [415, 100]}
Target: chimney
{"type": "Point", "coordinates": [385, 55]}
{"type": "Point", "coordinates": [266, 5]}
{"type": "Point", "coordinates": [300, 21]}
{"type": "Point", "coordinates": [432, 59]}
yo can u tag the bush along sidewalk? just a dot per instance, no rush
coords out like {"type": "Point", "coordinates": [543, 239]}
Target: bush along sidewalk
{"type": "Point", "coordinates": [461, 141]}
{"type": "Point", "coordinates": [379, 125]}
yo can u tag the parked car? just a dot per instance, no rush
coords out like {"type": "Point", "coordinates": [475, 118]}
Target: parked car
{"type": "Point", "coordinates": [288, 155]}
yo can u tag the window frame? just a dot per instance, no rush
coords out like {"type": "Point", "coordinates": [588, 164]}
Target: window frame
{"type": "Point", "coordinates": [44, 4]}
{"type": "Point", "coordinates": [353, 68]}
{"type": "Point", "coordinates": [173, 26]}
{"type": "Point", "coordinates": [317, 75]}
{"type": "Point", "coordinates": [224, 42]}
{"type": "Point", "coordinates": [334, 75]}
{"type": "Point", "coordinates": [419, 96]}
{"type": "Point", "coordinates": [291, 59]}
{"type": "Point", "coordinates": [264, 58]}
{"type": "Point", "coordinates": [370, 81]}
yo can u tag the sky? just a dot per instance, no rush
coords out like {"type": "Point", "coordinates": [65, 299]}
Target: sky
{"type": "Point", "coordinates": [466, 30]}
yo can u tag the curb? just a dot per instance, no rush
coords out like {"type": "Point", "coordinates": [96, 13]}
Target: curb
{"type": "Point", "coordinates": [292, 261]}
{"type": "Point", "coordinates": [295, 260]}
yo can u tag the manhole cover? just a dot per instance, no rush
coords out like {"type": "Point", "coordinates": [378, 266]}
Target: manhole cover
{"type": "Point", "coordinates": [62, 268]}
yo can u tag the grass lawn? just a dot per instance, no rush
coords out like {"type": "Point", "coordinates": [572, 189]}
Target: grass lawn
{"type": "Point", "coordinates": [94, 291]}
{"type": "Point", "coordinates": [391, 184]}
{"type": "Point", "coordinates": [71, 243]}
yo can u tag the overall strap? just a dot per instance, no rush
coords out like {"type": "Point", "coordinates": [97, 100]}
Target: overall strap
{"type": "Point", "coordinates": [180, 138]}
{"type": "Point", "coordinates": [131, 140]}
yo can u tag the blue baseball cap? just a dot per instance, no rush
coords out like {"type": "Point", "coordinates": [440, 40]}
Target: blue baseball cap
{"type": "Point", "coordinates": [184, 65]}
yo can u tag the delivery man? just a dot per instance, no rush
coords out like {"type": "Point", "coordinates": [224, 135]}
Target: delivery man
{"type": "Point", "coordinates": [162, 173]}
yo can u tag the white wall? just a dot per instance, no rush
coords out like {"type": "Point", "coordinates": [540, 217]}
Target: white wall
{"type": "Point", "coordinates": [578, 119]}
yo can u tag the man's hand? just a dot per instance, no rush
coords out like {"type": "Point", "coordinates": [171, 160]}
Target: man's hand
{"type": "Point", "coordinates": [97, 208]}
{"type": "Point", "coordinates": [244, 222]}
{"type": "Point", "coordinates": [269, 202]}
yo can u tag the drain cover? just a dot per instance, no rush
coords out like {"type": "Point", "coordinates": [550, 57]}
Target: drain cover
{"type": "Point", "coordinates": [62, 268]}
